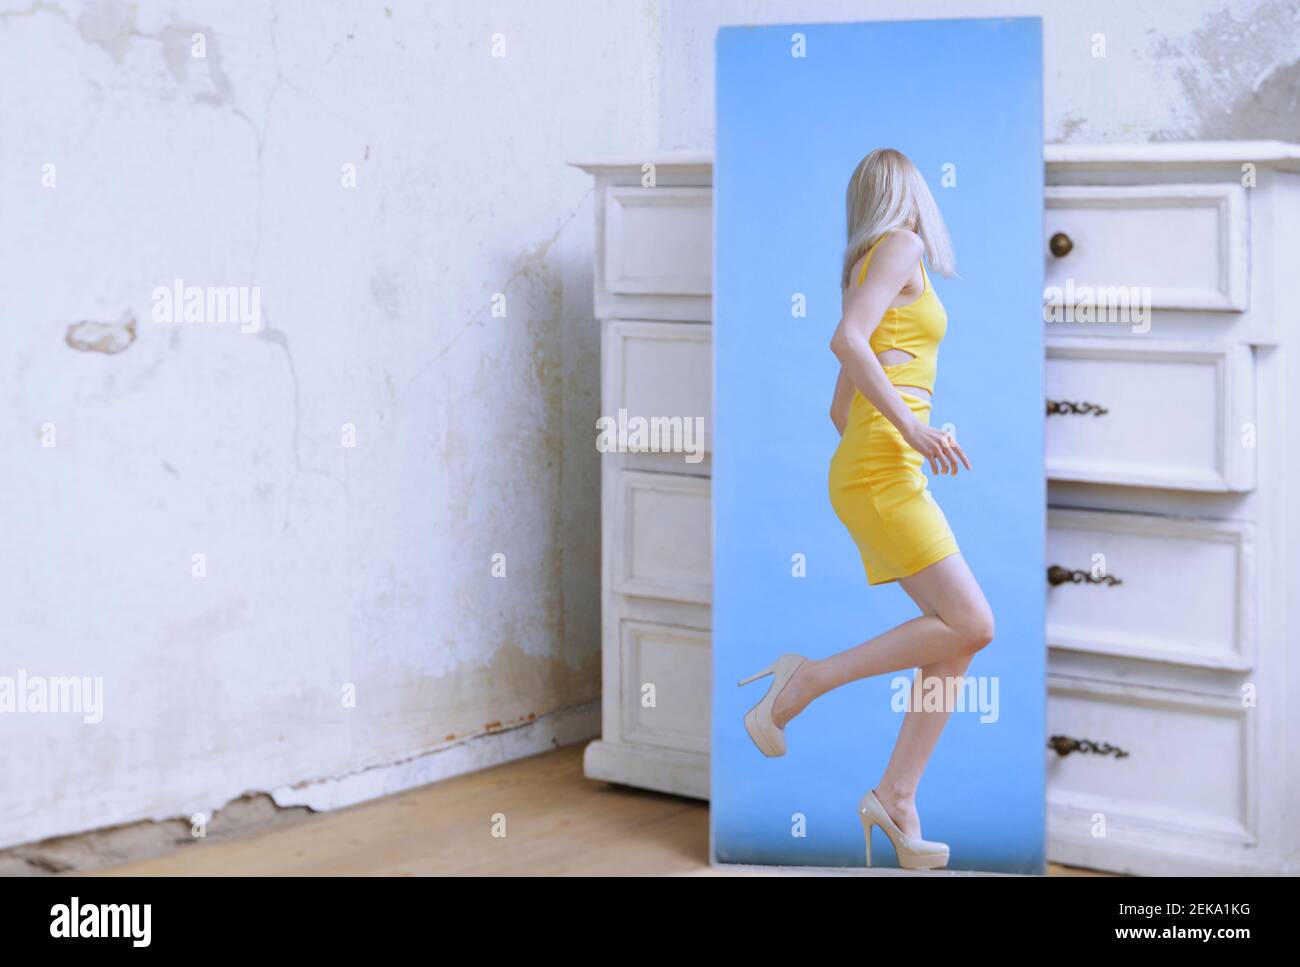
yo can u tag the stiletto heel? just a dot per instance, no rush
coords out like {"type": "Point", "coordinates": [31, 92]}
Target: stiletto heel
{"type": "Point", "coordinates": [913, 853]}
{"type": "Point", "coordinates": [770, 738]}
{"type": "Point", "coordinates": [757, 675]}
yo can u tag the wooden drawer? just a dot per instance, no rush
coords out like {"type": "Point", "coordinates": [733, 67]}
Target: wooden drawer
{"type": "Point", "coordinates": [1176, 415]}
{"type": "Point", "coordinates": [667, 527]}
{"type": "Point", "coordinates": [666, 675]}
{"type": "Point", "coordinates": [658, 241]}
{"type": "Point", "coordinates": [1187, 591]}
{"type": "Point", "coordinates": [1188, 244]}
{"type": "Point", "coordinates": [661, 371]}
{"type": "Point", "coordinates": [1187, 772]}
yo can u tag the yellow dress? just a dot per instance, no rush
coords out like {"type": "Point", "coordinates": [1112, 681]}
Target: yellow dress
{"type": "Point", "coordinates": [876, 485]}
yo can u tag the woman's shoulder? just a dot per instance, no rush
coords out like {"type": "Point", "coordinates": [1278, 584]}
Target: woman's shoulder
{"type": "Point", "coordinates": [902, 241]}
{"type": "Point", "coordinates": [897, 247]}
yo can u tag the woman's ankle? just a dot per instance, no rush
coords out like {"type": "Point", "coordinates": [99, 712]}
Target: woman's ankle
{"type": "Point", "coordinates": [812, 679]}
{"type": "Point", "coordinates": [893, 793]}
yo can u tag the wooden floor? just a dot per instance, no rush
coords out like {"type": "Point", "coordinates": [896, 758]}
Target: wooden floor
{"type": "Point", "coordinates": [557, 823]}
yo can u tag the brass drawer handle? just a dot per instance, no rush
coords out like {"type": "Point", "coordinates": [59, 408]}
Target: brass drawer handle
{"type": "Point", "coordinates": [1061, 245]}
{"type": "Point", "coordinates": [1060, 575]}
{"type": "Point", "coordinates": [1067, 407]}
{"type": "Point", "coordinates": [1063, 745]}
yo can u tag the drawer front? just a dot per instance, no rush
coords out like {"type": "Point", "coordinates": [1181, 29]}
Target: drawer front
{"type": "Point", "coordinates": [666, 522]}
{"type": "Point", "coordinates": [666, 673]}
{"type": "Point", "coordinates": [1185, 593]}
{"type": "Point", "coordinates": [658, 387]}
{"type": "Point", "coordinates": [658, 241]}
{"type": "Point", "coordinates": [1188, 244]}
{"type": "Point", "coordinates": [1155, 414]}
{"type": "Point", "coordinates": [1188, 768]}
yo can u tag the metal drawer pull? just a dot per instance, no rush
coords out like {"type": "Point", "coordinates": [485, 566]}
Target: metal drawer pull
{"type": "Point", "coordinates": [1061, 245]}
{"type": "Point", "coordinates": [1062, 575]}
{"type": "Point", "coordinates": [1063, 745]}
{"type": "Point", "coordinates": [1066, 407]}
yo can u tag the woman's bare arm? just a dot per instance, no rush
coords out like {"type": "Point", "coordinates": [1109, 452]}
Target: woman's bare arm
{"type": "Point", "coordinates": [841, 401]}
{"type": "Point", "coordinates": [891, 268]}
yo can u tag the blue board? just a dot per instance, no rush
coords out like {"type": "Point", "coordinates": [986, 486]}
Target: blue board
{"type": "Point", "coordinates": [790, 131]}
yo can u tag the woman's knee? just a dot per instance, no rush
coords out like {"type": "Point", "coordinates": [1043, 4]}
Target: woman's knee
{"type": "Point", "coordinates": [974, 627]}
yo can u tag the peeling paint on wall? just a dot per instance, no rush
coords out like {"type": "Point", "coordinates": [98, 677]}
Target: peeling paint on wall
{"type": "Point", "coordinates": [1239, 72]}
{"type": "Point", "coordinates": [109, 25]}
{"type": "Point", "coordinates": [113, 846]}
{"type": "Point", "coordinates": [89, 336]}
{"type": "Point", "coordinates": [204, 75]}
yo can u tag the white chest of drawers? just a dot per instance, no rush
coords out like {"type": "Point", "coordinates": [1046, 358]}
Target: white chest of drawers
{"type": "Point", "coordinates": [1173, 584]}
{"type": "Point", "coordinates": [653, 284]}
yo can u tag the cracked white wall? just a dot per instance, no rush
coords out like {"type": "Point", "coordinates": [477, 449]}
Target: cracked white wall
{"type": "Point", "coordinates": [129, 163]}
{"type": "Point", "coordinates": [1197, 69]}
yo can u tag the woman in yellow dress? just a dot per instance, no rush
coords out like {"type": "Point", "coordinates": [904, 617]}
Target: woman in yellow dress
{"type": "Point", "coordinates": [887, 344]}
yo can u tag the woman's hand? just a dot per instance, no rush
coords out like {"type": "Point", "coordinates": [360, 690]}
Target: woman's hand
{"type": "Point", "coordinates": [937, 446]}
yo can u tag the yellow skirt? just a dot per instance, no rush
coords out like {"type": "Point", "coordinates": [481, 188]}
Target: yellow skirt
{"type": "Point", "coordinates": [880, 494]}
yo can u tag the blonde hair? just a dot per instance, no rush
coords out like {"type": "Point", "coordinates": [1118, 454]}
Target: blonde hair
{"type": "Point", "coordinates": [886, 193]}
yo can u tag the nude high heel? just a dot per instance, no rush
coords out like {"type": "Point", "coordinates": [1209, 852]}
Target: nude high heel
{"type": "Point", "coordinates": [913, 854]}
{"type": "Point", "coordinates": [769, 738]}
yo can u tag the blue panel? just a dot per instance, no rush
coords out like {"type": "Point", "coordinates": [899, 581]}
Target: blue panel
{"type": "Point", "coordinates": [790, 131]}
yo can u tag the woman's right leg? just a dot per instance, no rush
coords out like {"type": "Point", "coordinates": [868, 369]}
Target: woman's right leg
{"type": "Point", "coordinates": [962, 624]}
{"type": "Point", "coordinates": [917, 736]}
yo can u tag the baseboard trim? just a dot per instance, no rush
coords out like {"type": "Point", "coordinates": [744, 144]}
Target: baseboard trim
{"type": "Point", "coordinates": [564, 727]}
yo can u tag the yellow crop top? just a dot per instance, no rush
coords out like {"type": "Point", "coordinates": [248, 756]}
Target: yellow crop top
{"type": "Point", "coordinates": [915, 328]}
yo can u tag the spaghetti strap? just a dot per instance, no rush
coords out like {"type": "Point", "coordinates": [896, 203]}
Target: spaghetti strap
{"type": "Point", "coordinates": [871, 250]}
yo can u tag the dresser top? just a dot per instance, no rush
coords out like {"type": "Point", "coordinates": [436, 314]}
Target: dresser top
{"type": "Point", "coordinates": [1272, 154]}
{"type": "Point", "coordinates": [687, 162]}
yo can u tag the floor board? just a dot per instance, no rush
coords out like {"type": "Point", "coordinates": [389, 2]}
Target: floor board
{"type": "Point", "coordinates": [557, 822]}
